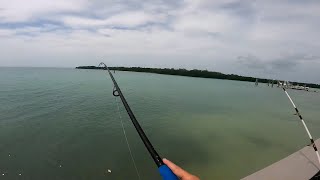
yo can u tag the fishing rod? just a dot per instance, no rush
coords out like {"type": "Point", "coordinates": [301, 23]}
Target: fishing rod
{"type": "Point", "coordinates": [164, 170]}
{"type": "Point", "coordinates": [304, 125]}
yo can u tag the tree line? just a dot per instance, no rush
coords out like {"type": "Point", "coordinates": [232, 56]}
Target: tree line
{"type": "Point", "coordinates": [194, 73]}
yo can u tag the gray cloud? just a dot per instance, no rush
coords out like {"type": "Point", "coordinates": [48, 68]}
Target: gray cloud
{"type": "Point", "coordinates": [293, 61]}
{"type": "Point", "coordinates": [245, 9]}
{"type": "Point", "coordinates": [286, 62]}
{"type": "Point", "coordinates": [251, 62]}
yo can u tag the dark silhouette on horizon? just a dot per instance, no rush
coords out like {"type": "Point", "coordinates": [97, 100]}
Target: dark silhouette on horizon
{"type": "Point", "coordinates": [194, 73]}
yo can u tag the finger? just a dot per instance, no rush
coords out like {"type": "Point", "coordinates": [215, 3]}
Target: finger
{"type": "Point", "coordinates": [176, 169]}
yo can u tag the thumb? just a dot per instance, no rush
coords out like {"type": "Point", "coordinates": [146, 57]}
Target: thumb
{"type": "Point", "coordinates": [176, 169]}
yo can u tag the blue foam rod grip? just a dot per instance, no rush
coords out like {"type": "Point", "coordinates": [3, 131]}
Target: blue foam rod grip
{"type": "Point", "coordinates": [166, 173]}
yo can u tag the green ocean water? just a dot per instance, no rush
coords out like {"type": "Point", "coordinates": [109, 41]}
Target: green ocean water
{"type": "Point", "coordinates": [63, 124]}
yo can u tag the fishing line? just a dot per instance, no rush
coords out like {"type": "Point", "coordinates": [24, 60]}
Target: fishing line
{"type": "Point", "coordinates": [127, 141]}
{"type": "Point", "coordinates": [304, 125]}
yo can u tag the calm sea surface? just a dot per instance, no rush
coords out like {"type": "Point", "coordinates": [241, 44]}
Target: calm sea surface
{"type": "Point", "coordinates": [63, 124]}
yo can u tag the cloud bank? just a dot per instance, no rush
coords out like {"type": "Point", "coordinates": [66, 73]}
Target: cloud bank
{"type": "Point", "coordinates": [271, 39]}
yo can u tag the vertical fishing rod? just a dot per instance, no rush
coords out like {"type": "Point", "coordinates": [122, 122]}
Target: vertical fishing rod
{"type": "Point", "coordinates": [164, 170]}
{"type": "Point", "coordinates": [304, 125]}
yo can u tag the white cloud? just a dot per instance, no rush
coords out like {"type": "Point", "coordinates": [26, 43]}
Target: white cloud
{"type": "Point", "coordinates": [192, 33]}
{"type": "Point", "coordinates": [19, 11]}
{"type": "Point", "coordinates": [6, 32]}
{"type": "Point", "coordinates": [205, 23]}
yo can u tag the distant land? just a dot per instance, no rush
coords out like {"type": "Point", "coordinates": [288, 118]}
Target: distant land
{"type": "Point", "coordinates": [195, 73]}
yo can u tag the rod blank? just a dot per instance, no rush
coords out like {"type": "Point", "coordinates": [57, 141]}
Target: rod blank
{"type": "Point", "coordinates": [304, 125]}
{"type": "Point", "coordinates": [155, 156]}
{"type": "Point", "coordinates": [163, 169]}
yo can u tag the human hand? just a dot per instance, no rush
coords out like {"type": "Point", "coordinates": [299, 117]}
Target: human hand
{"type": "Point", "coordinates": [182, 174]}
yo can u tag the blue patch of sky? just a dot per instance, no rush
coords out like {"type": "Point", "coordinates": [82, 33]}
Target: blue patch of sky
{"type": "Point", "coordinates": [43, 26]}
{"type": "Point", "coordinates": [37, 23]}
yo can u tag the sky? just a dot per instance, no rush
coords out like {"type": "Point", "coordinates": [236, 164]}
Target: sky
{"type": "Point", "coordinates": [277, 39]}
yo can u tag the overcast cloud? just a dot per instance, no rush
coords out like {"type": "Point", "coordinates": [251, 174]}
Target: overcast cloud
{"type": "Point", "coordinates": [270, 38]}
